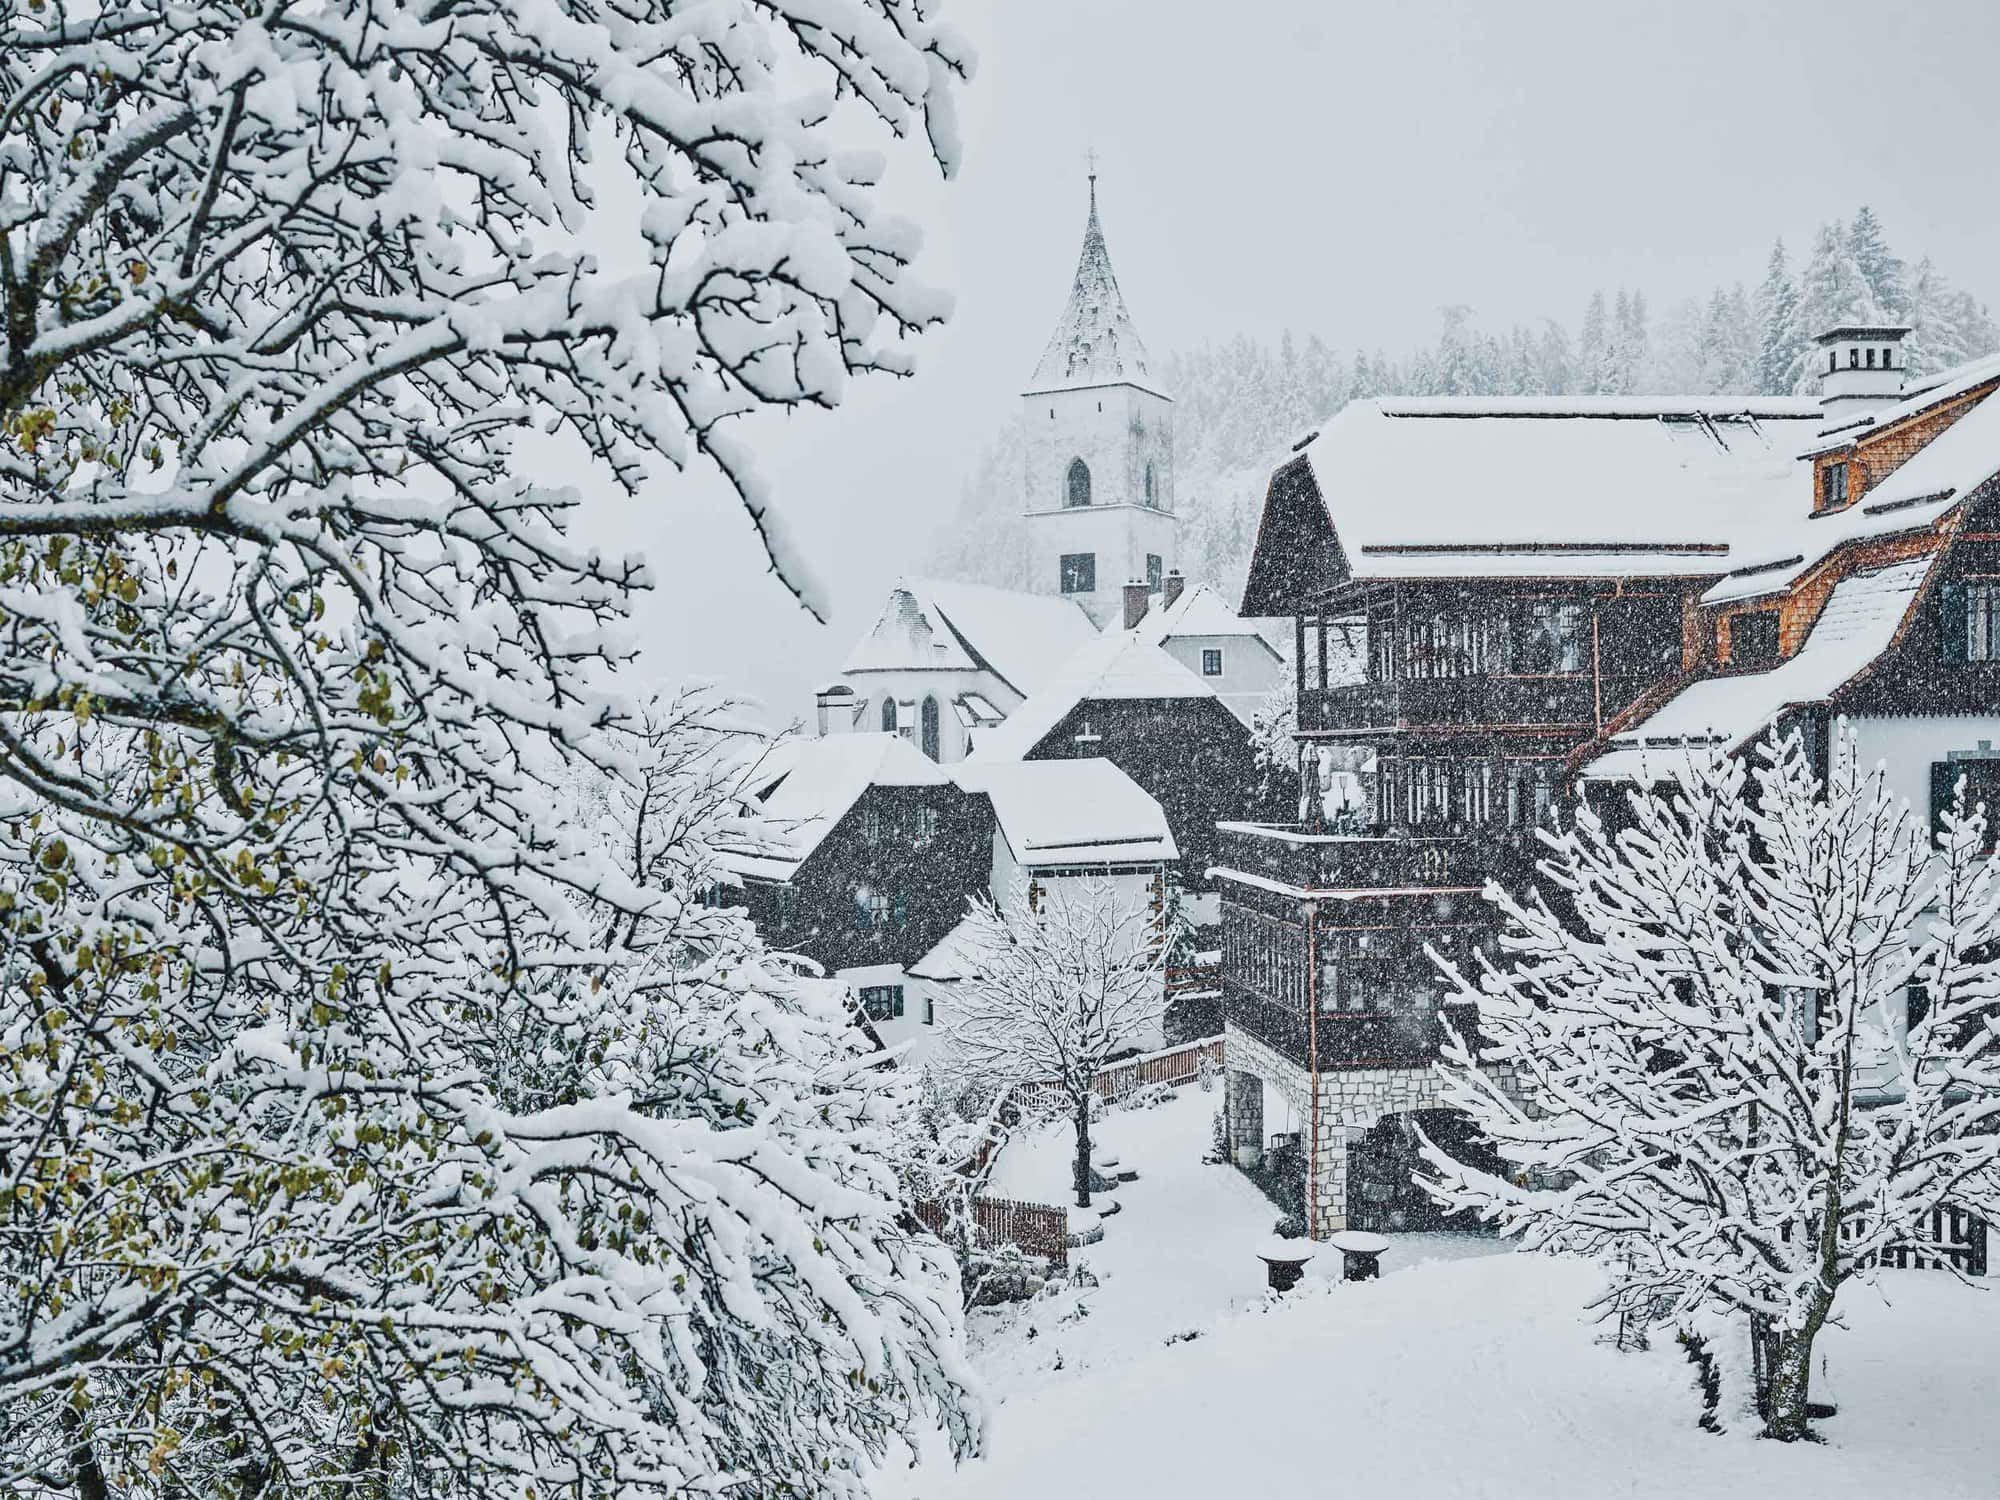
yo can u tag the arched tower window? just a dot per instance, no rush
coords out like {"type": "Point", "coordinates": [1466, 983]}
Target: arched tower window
{"type": "Point", "coordinates": [1152, 492]}
{"type": "Point", "coordinates": [888, 715]}
{"type": "Point", "coordinates": [927, 728]}
{"type": "Point", "coordinates": [1076, 490]}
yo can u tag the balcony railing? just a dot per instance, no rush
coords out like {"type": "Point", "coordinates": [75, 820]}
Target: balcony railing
{"type": "Point", "coordinates": [1291, 856]}
{"type": "Point", "coordinates": [1345, 1039]}
{"type": "Point", "coordinates": [1430, 702]}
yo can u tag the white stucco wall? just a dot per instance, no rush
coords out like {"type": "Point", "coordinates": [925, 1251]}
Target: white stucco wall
{"type": "Point", "coordinates": [1117, 430]}
{"type": "Point", "coordinates": [1908, 746]}
{"type": "Point", "coordinates": [1250, 669]}
{"type": "Point", "coordinates": [909, 688]}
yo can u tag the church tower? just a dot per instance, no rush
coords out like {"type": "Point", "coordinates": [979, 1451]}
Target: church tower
{"type": "Point", "coordinates": [1100, 449]}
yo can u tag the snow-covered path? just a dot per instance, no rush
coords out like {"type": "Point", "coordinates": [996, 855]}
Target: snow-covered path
{"type": "Point", "coordinates": [1179, 1254]}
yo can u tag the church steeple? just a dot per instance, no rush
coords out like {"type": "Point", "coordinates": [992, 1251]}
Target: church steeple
{"type": "Point", "coordinates": [1094, 342]}
{"type": "Point", "coordinates": [1098, 436]}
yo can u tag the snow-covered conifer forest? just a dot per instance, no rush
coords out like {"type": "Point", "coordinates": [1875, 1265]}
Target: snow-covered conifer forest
{"type": "Point", "coordinates": [1420, 923]}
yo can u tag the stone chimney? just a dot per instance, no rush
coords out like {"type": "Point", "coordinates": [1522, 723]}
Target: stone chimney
{"type": "Point", "coordinates": [1170, 592]}
{"type": "Point", "coordinates": [1861, 370]}
{"type": "Point", "coordinates": [1137, 598]}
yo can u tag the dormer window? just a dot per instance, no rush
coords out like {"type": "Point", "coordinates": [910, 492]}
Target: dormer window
{"type": "Point", "coordinates": [1833, 486]}
{"type": "Point", "coordinates": [1753, 640]}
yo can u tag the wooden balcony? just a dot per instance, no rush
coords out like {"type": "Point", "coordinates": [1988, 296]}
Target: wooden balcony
{"type": "Point", "coordinates": [1291, 857]}
{"type": "Point", "coordinates": [1456, 703]}
{"type": "Point", "coordinates": [1347, 1040]}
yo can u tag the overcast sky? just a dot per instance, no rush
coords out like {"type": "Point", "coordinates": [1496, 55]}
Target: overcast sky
{"type": "Point", "coordinates": [1339, 169]}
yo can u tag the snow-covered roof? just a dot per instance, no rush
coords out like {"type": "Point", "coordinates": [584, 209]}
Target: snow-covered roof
{"type": "Point", "coordinates": [1857, 625]}
{"type": "Point", "coordinates": [1556, 486]}
{"type": "Point", "coordinates": [956, 955]}
{"type": "Point", "coordinates": [1918, 396]}
{"type": "Point", "coordinates": [806, 786]}
{"type": "Point", "coordinates": [1112, 666]}
{"type": "Point", "coordinates": [930, 623]}
{"type": "Point", "coordinates": [1919, 493]}
{"type": "Point", "coordinates": [1094, 342]}
{"type": "Point", "coordinates": [1070, 812]}
{"type": "Point", "coordinates": [1200, 610]}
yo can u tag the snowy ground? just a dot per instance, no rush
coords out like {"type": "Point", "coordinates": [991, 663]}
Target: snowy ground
{"type": "Point", "coordinates": [1472, 1377]}
{"type": "Point", "coordinates": [1180, 1252]}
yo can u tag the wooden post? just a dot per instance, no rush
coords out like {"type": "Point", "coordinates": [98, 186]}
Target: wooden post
{"type": "Point", "coordinates": [1312, 1079]}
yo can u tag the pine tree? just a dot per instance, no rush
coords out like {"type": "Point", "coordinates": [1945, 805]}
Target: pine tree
{"type": "Point", "coordinates": [1593, 347]}
{"type": "Point", "coordinates": [1884, 274]}
{"type": "Point", "coordinates": [1778, 349]}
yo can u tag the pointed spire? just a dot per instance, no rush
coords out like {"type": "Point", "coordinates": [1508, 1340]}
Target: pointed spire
{"type": "Point", "coordinates": [1094, 342]}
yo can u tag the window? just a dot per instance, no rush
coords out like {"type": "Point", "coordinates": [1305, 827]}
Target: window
{"type": "Point", "coordinates": [1152, 492]}
{"type": "Point", "coordinates": [1531, 798]}
{"type": "Point", "coordinates": [1211, 663]}
{"type": "Point", "coordinates": [888, 715]}
{"type": "Point", "coordinates": [872, 828]}
{"type": "Point", "coordinates": [882, 1002]}
{"type": "Point", "coordinates": [871, 911]}
{"type": "Point", "coordinates": [927, 718]}
{"type": "Point", "coordinates": [1853, 359]}
{"type": "Point", "coordinates": [1079, 572]}
{"type": "Point", "coordinates": [1753, 639]}
{"type": "Point", "coordinates": [1972, 620]}
{"type": "Point", "coordinates": [923, 826]}
{"type": "Point", "coordinates": [1545, 637]}
{"type": "Point", "coordinates": [1982, 784]}
{"type": "Point", "coordinates": [1871, 359]}
{"type": "Point", "coordinates": [1832, 486]}
{"type": "Point", "coordinates": [1076, 488]}
{"type": "Point", "coordinates": [1154, 572]}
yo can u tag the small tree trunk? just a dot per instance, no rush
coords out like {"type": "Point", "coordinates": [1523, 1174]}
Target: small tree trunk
{"type": "Point", "coordinates": [1790, 1375]}
{"type": "Point", "coordinates": [1083, 1151]}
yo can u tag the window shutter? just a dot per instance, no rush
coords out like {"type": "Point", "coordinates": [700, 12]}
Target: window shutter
{"type": "Point", "coordinates": [1944, 780]}
{"type": "Point", "coordinates": [1951, 620]}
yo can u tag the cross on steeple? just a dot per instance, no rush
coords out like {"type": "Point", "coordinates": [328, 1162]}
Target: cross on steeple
{"type": "Point", "coordinates": [1090, 166]}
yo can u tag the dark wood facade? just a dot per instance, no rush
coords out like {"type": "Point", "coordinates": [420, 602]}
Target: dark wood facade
{"type": "Point", "coordinates": [1192, 755]}
{"type": "Point", "coordinates": [886, 884]}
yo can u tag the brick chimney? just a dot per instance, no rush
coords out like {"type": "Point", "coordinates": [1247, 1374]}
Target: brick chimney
{"type": "Point", "coordinates": [1170, 592]}
{"type": "Point", "coordinates": [1137, 598]}
{"type": "Point", "coordinates": [1861, 371]}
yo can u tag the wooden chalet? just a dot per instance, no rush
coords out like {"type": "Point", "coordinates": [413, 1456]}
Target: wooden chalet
{"type": "Point", "coordinates": [1490, 597]}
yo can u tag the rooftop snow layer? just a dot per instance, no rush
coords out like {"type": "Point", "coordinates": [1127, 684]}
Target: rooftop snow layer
{"type": "Point", "coordinates": [1200, 610]}
{"type": "Point", "coordinates": [1919, 395]}
{"type": "Point", "coordinates": [1068, 812]}
{"type": "Point", "coordinates": [1557, 487]}
{"type": "Point", "coordinates": [1941, 474]}
{"type": "Point", "coordinates": [1724, 713]}
{"type": "Point", "coordinates": [930, 624]}
{"type": "Point", "coordinates": [1094, 342]}
{"type": "Point", "coordinates": [807, 786]}
{"type": "Point", "coordinates": [1114, 666]}
{"type": "Point", "coordinates": [956, 955]}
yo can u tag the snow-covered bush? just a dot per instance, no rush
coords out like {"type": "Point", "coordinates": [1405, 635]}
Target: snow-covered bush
{"type": "Point", "coordinates": [1724, 1103]}
{"type": "Point", "coordinates": [369, 1120]}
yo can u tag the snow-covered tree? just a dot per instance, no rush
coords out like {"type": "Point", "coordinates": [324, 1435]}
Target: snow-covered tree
{"type": "Point", "coordinates": [1778, 348]}
{"type": "Point", "coordinates": [1723, 1102]}
{"type": "Point", "coordinates": [316, 1175]}
{"type": "Point", "coordinates": [1067, 977]}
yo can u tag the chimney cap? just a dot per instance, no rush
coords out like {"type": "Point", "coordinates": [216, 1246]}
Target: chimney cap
{"type": "Point", "coordinates": [1874, 333]}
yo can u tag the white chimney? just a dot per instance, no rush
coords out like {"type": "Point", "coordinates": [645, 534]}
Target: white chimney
{"type": "Point", "coordinates": [1861, 370]}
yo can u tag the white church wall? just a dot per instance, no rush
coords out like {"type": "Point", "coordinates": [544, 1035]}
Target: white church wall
{"type": "Point", "coordinates": [909, 689]}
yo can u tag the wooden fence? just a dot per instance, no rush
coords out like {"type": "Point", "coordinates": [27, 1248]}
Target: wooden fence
{"type": "Point", "coordinates": [1953, 1240]}
{"type": "Point", "coordinates": [1172, 1068]}
{"type": "Point", "coordinates": [1035, 1228]}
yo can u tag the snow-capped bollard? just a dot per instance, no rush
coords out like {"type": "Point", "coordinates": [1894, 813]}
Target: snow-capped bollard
{"type": "Point", "coordinates": [1285, 1261]}
{"type": "Point", "coordinates": [1360, 1253]}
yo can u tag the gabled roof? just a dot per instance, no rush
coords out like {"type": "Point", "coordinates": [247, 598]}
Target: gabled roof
{"type": "Point", "coordinates": [1111, 667]}
{"type": "Point", "coordinates": [806, 786]}
{"type": "Point", "coordinates": [1921, 492]}
{"type": "Point", "coordinates": [1200, 610]}
{"type": "Point", "coordinates": [1554, 487]}
{"type": "Point", "coordinates": [1094, 342]}
{"type": "Point", "coordinates": [1919, 396]}
{"type": "Point", "coordinates": [1858, 624]}
{"type": "Point", "coordinates": [1071, 812]}
{"type": "Point", "coordinates": [929, 623]}
{"type": "Point", "coordinates": [958, 955]}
